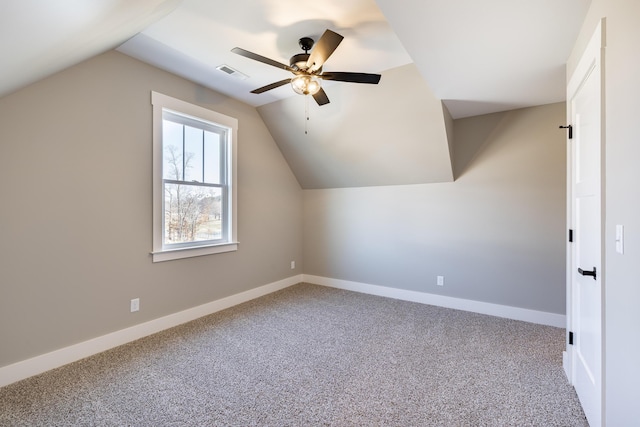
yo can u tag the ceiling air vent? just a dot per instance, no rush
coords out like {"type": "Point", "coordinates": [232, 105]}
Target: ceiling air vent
{"type": "Point", "coordinates": [232, 72]}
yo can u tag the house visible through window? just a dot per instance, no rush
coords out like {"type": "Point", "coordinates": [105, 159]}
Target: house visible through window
{"type": "Point", "coordinates": [194, 169]}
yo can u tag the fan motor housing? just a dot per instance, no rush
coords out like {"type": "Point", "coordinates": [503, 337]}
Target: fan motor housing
{"type": "Point", "coordinates": [299, 61]}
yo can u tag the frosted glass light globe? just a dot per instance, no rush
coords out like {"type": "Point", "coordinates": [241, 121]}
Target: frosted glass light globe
{"type": "Point", "coordinates": [305, 85]}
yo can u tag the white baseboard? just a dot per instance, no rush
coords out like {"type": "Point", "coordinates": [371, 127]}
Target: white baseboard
{"type": "Point", "coordinates": [39, 364]}
{"type": "Point", "coordinates": [515, 313]}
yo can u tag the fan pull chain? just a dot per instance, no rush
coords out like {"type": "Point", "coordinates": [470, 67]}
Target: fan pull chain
{"type": "Point", "coordinates": [306, 114]}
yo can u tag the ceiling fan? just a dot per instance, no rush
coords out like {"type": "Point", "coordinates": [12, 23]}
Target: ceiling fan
{"type": "Point", "coordinates": [307, 67]}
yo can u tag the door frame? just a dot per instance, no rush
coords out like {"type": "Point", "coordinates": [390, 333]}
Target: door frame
{"type": "Point", "coordinates": [593, 52]}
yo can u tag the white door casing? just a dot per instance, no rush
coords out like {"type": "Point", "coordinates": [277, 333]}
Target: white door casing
{"type": "Point", "coordinates": [585, 259]}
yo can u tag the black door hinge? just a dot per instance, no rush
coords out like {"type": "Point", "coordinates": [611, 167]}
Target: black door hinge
{"type": "Point", "coordinates": [570, 235]}
{"type": "Point", "coordinates": [570, 130]}
{"type": "Point", "coordinates": [570, 338]}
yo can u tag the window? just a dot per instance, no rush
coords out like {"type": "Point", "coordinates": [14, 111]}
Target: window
{"type": "Point", "coordinates": [194, 197]}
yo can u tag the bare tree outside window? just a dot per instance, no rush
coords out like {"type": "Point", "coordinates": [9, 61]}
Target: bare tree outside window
{"type": "Point", "coordinates": [193, 210]}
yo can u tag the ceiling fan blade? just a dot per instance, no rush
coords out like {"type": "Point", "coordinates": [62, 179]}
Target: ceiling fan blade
{"type": "Point", "coordinates": [321, 97]}
{"type": "Point", "coordinates": [261, 58]}
{"type": "Point", "coordinates": [323, 49]}
{"type": "Point", "coordinates": [351, 77]}
{"type": "Point", "coordinates": [271, 86]}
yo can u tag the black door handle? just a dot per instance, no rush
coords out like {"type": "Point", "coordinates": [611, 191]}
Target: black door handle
{"type": "Point", "coordinates": [588, 273]}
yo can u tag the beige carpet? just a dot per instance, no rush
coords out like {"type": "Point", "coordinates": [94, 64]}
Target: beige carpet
{"type": "Point", "coordinates": [312, 356]}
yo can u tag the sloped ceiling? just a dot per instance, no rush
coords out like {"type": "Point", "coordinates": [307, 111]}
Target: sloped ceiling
{"type": "Point", "coordinates": [478, 57]}
{"type": "Point", "coordinates": [41, 37]}
{"type": "Point", "coordinates": [393, 134]}
{"type": "Point", "coordinates": [486, 56]}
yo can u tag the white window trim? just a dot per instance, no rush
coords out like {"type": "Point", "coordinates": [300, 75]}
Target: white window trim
{"type": "Point", "coordinates": [160, 102]}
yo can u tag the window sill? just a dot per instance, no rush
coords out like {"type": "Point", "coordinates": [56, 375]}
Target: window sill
{"type": "Point", "coordinates": [168, 255]}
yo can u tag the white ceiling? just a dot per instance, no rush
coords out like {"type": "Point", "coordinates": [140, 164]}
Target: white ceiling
{"type": "Point", "coordinates": [476, 57]}
{"type": "Point", "coordinates": [41, 37]}
{"type": "Point", "coordinates": [199, 36]}
{"type": "Point", "coordinates": [483, 56]}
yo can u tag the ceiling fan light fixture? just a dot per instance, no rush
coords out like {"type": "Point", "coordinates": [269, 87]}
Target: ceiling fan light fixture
{"type": "Point", "coordinates": [305, 85]}
{"type": "Point", "coordinates": [307, 67]}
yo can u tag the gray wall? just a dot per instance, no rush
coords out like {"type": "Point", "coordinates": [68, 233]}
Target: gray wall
{"type": "Point", "coordinates": [497, 233]}
{"type": "Point", "coordinates": [75, 216]}
{"type": "Point", "coordinates": [622, 202]}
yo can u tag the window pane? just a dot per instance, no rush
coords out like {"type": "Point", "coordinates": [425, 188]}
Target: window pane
{"type": "Point", "coordinates": [192, 154]}
{"type": "Point", "coordinates": [192, 213]}
{"type": "Point", "coordinates": [212, 173]}
{"type": "Point", "coordinates": [172, 150]}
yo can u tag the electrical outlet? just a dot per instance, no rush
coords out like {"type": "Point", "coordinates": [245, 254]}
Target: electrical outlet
{"type": "Point", "coordinates": [293, 265]}
{"type": "Point", "coordinates": [135, 304]}
{"type": "Point", "coordinates": [440, 281]}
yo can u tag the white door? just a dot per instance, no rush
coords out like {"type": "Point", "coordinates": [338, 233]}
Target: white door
{"type": "Point", "coordinates": [584, 95]}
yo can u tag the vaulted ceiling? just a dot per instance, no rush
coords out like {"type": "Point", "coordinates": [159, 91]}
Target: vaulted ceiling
{"type": "Point", "coordinates": [439, 59]}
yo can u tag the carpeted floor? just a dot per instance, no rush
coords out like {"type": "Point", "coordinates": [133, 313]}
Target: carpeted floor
{"type": "Point", "coordinates": [311, 356]}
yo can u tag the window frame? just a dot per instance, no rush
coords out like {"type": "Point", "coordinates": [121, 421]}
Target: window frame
{"type": "Point", "coordinates": [162, 252]}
